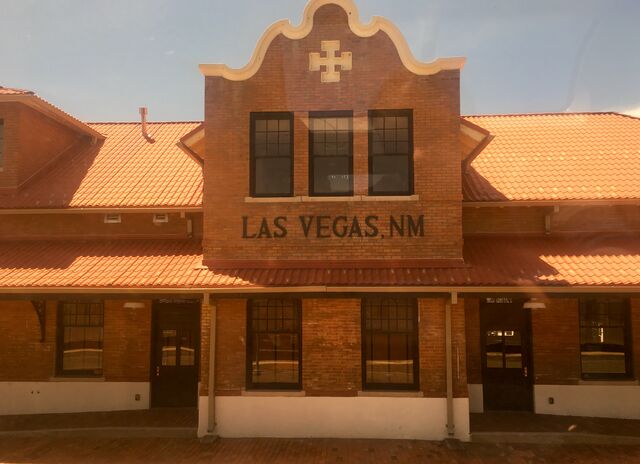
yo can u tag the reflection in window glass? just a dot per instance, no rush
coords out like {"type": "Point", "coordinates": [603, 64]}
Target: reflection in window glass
{"type": "Point", "coordinates": [390, 153]}
{"type": "Point", "coordinates": [271, 154]}
{"type": "Point", "coordinates": [274, 343]}
{"type": "Point", "coordinates": [80, 345]}
{"type": "Point", "coordinates": [331, 155]}
{"type": "Point", "coordinates": [390, 343]}
{"type": "Point", "coordinates": [187, 349]}
{"type": "Point", "coordinates": [169, 347]}
{"type": "Point", "coordinates": [604, 340]}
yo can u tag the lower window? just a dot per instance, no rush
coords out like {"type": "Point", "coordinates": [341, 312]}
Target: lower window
{"type": "Point", "coordinates": [605, 345]}
{"type": "Point", "coordinates": [273, 344]}
{"type": "Point", "coordinates": [390, 344]}
{"type": "Point", "coordinates": [80, 332]}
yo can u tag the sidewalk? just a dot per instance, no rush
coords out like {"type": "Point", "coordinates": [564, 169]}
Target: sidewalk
{"type": "Point", "coordinates": [47, 450]}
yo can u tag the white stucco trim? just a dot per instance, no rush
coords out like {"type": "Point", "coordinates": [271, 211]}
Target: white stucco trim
{"type": "Point", "coordinates": [337, 417]}
{"type": "Point", "coordinates": [617, 401]}
{"type": "Point", "coordinates": [476, 398]}
{"type": "Point", "coordinates": [290, 31]}
{"type": "Point", "coordinates": [75, 396]}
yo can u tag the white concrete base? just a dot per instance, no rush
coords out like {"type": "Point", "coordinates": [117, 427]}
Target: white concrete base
{"type": "Point", "coordinates": [336, 417]}
{"type": "Point", "coordinates": [476, 398]}
{"type": "Point", "coordinates": [71, 396]}
{"type": "Point", "coordinates": [617, 401]}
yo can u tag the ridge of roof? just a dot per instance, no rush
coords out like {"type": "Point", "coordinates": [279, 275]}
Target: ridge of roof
{"type": "Point", "coordinates": [576, 113]}
{"type": "Point", "coordinates": [91, 123]}
{"type": "Point", "coordinates": [14, 91]}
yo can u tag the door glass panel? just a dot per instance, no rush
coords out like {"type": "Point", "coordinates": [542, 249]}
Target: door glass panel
{"type": "Point", "coordinates": [168, 347]}
{"type": "Point", "coordinates": [494, 349]}
{"type": "Point", "coordinates": [512, 349]}
{"type": "Point", "coordinates": [187, 349]}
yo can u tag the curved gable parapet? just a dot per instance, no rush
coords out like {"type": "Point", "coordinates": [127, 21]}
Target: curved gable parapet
{"type": "Point", "coordinates": [290, 31]}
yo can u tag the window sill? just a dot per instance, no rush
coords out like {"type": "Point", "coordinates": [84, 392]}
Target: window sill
{"type": "Point", "coordinates": [61, 378]}
{"type": "Point", "coordinates": [354, 198]}
{"type": "Point", "coordinates": [612, 382]}
{"type": "Point", "coordinates": [393, 394]}
{"type": "Point", "coordinates": [274, 393]}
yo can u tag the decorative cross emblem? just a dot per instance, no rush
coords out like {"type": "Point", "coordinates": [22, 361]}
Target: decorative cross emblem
{"type": "Point", "coordinates": [330, 47]}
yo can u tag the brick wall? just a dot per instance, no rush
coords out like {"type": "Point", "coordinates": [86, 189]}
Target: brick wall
{"type": "Point", "coordinates": [24, 357]}
{"type": "Point", "coordinates": [87, 226]}
{"type": "Point", "coordinates": [331, 347]}
{"type": "Point", "coordinates": [32, 141]}
{"type": "Point", "coordinates": [231, 346]}
{"type": "Point", "coordinates": [378, 81]}
{"type": "Point", "coordinates": [473, 344]}
{"type": "Point", "coordinates": [531, 220]}
{"type": "Point", "coordinates": [127, 342]}
{"type": "Point", "coordinates": [432, 348]}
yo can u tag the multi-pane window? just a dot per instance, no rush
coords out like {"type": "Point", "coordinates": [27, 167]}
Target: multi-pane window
{"type": "Point", "coordinates": [605, 346]}
{"type": "Point", "coordinates": [80, 332]}
{"type": "Point", "coordinates": [331, 153]}
{"type": "Point", "coordinates": [273, 344]}
{"type": "Point", "coordinates": [271, 154]}
{"type": "Point", "coordinates": [390, 152]}
{"type": "Point", "coordinates": [1, 142]}
{"type": "Point", "coordinates": [390, 344]}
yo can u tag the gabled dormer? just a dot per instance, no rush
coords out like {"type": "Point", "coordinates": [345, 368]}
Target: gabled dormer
{"type": "Point", "coordinates": [33, 135]}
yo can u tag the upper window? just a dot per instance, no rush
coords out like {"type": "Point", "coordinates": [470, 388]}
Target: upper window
{"type": "Point", "coordinates": [80, 331]}
{"type": "Point", "coordinates": [331, 153]}
{"type": "Point", "coordinates": [605, 345]}
{"type": "Point", "coordinates": [273, 344]}
{"type": "Point", "coordinates": [1, 142]}
{"type": "Point", "coordinates": [390, 344]}
{"type": "Point", "coordinates": [271, 154]}
{"type": "Point", "coordinates": [391, 152]}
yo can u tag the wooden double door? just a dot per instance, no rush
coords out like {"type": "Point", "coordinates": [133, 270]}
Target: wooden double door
{"type": "Point", "coordinates": [506, 355]}
{"type": "Point", "coordinates": [175, 353]}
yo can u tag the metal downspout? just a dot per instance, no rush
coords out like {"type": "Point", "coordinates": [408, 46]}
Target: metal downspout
{"type": "Point", "coordinates": [211, 426]}
{"type": "Point", "coordinates": [453, 299]}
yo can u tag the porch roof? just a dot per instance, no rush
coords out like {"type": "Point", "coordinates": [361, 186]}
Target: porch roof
{"type": "Point", "coordinates": [560, 261]}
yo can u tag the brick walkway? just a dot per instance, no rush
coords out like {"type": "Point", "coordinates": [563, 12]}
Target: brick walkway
{"type": "Point", "coordinates": [274, 451]}
{"type": "Point", "coordinates": [169, 417]}
{"type": "Point", "coordinates": [532, 423]}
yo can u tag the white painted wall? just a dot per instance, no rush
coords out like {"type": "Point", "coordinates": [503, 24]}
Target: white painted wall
{"type": "Point", "coordinates": [341, 417]}
{"type": "Point", "coordinates": [71, 396]}
{"type": "Point", "coordinates": [476, 398]}
{"type": "Point", "coordinates": [618, 401]}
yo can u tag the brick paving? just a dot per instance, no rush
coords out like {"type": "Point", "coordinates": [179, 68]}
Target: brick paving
{"type": "Point", "coordinates": [529, 422]}
{"type": "Point", "coordinates": [311, 451]}
{"type": "Point", "coordinates": [163, 417]}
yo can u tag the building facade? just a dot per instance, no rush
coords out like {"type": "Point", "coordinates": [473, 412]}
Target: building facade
{"type": "Point", "coordinates": [334, 252]}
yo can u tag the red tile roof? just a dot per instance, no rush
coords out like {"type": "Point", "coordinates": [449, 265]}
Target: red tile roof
{"type": "Point", "coordinates": [168, 264]}
{"type": "Point", "coordinates": [9, 91]}
{"type": "Point", "coordinates": [572, 156]}
{"type": "Point", "coordinates": [124, 171]}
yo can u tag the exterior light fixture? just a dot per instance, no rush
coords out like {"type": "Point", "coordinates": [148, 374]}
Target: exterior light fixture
{"type": "Point", "coordinates": [133, 305]}
{"type": "Point", "coordinates": [534, 303]}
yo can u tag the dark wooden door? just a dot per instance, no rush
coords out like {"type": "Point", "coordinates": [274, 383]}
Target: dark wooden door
{"type": "Point", "coordinates": [506, 355]}
{"type": "Point", "coordinates": [175, 360]}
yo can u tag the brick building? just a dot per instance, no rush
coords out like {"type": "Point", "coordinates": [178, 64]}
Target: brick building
{"type": "Point", "coordinates": [334, 252]}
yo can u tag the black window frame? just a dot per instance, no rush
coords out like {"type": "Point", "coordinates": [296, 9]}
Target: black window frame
{"type": "Point", "coordinates": [253, 117]}
{"type": "Point", "coordinates": [312, 156]}
{"type": "Point", "coordinates": [372, 386]}
{"type": "Point", "coordinates": [628, 347]}
{"type": "Point", "coordinates": [60, 371]}
{"type": "Point", "coordinates": [410, 158]}
{"type": "Point", "coordinates": [249, 384]}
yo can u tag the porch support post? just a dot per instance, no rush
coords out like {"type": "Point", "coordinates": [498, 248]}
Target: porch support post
{"type": "Point", "coordinates": [453, 299]}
